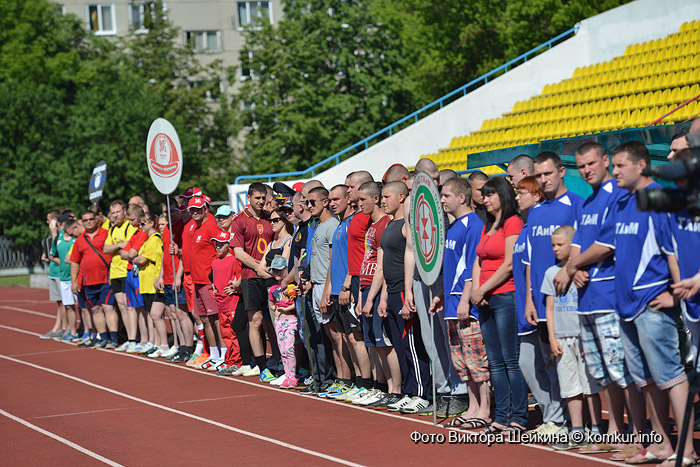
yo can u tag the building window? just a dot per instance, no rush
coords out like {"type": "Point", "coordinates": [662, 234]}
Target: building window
{"type": "Point", "coordinates": [101, 18]}
{"type": "Point", "coordinates": [204, 41]}
{"type": "Point", "coordinates": [212, 90]}
{"type": "Point", "coordinates": [246, 60]}
{"type": "Point", "coordinates": [140, 14]}
{"type": "Point", "coordinates": [250, 12]}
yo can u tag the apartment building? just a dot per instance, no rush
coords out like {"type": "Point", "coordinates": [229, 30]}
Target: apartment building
{"type": "Point", "coordinates": [214, 28]}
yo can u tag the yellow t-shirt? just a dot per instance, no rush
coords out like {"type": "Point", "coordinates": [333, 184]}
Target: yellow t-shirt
{"type": "Point", "coordinates": [152, 249]}
{"type": "Point", "coordinates": [105, 224]}
{"type": "Point", "coordinates": [118, 234]}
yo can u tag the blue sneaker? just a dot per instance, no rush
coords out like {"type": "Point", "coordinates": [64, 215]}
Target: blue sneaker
{"type": "Point", "coordinates": [266, 376]}
{"type": "Point", "coordinates": [339, 391]}
{"type": "Point", "coordinates": [303, 373]}
{"type": "Point", "coordinates": [69, 337]}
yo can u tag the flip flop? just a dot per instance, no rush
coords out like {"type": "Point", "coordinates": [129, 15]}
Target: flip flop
{"type": "Point", "coordinates": [626, 452]}
{"type": "Point", "coordinates": [459, 422]}
{"type": "Point", "coordinates": [474, 423]}
{"type": "Point", "coordinates": [649, 458]}
{"type": "Point", "coordinates": [492, 430]}
{"type": "Point", "coordinates": [686, 460]}
{"type": "Point", "coordinates": [597, 449]}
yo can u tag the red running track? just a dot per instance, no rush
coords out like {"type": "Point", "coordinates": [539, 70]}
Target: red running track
{"type": "Point", "coordinates": [62, 404]}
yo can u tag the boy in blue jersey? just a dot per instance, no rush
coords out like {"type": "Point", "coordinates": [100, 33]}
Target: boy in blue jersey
{"type": "Point", "coordinates": [561, 207]}
{"type": "Point", "coordinates": [644, 267]}
{"type": "Point", "coordinates": [467, 347]}
{"type": "Point", "coordinates": [600, 324]}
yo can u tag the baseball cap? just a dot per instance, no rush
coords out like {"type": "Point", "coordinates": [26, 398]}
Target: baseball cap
{"type": "Point", "coordinates": [196, 202]}
{"type": "Point", "coordinates": [207, 199]}
{"type": "Point", "coordinates": [223, 236]}
{"type": "Point", "coordinates": [298, 186]}
{"type": "Point", "coordinates": [224, 210]}
{"type": "Point", "coordinates": [280, 262]}
{"type": "Point", "coordinates": [191, 191]}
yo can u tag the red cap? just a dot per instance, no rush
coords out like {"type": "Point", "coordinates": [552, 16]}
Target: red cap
{"type": "Point", "coordinates": [207, 199]}
{"type": "Point", "coordinates": [196, 203]}
{"type": "Point", "coordinates": [223, 236]}
{"type": "Point", "coordinates": [191, 191]}
{"type": "Point", "coordinates": [298, 186]}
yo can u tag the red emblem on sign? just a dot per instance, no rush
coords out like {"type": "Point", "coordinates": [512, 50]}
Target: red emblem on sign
{"type": "Point", "coordinates": [427, 230]}
{"type": "Point", "coordinates": [163, 157]}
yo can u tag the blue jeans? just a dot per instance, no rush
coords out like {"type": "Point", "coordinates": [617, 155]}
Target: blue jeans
{"type": "Point", "coordinates": [499, 329]}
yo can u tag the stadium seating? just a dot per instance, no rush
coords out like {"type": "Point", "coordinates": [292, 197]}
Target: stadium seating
{"type": "Point", "coordinates": [634, 90]}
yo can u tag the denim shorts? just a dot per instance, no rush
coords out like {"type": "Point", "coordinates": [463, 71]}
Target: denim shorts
{"type": "Point", "coordinates": [650, 344]}
{"type": "Point", "coordinates": [170, 296]}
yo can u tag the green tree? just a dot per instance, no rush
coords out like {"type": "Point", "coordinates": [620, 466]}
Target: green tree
{"type": "Point", "coordinates": [71, 99]}
{"type": "Point", "coordinates": [325, 76]}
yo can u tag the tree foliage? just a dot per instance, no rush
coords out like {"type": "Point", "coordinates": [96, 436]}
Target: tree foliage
{"type": "Point", "coordinates": [71, 99]}
{"type": "Point", "coordinates": [322, 78]}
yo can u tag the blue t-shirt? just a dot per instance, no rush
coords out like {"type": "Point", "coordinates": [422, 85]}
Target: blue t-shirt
{"type": "Point", "coordinates": [339, 256]}
{"type": "Point", "coordinates": [460, 251]}
{"type": "Point", "coordinates": [543, 220]}
{"type": "Point", "coordinates": [598, 295]}
{"type": "Point", "coordinates": [686, 236]}
{"type": "Point", "coordinates": [520, 262]}
{"type": "Point", "coordinates": [566, 320]}
{"type": "Point", "coordinates": [641, 241]}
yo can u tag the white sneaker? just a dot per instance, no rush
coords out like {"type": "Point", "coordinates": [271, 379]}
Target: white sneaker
{"type": "Point", "coordinates": [415, 405]}
{"type": "Point", "coordinates": [344, 398]}
{"type": "Point", "coordinates": [251, 371]}
{"type": "Point", "coordinates": [373, 395]}
{"type": "Point", "coordinates": [218, 365]}
{"type": "Point", "coordinates": [123, 347]}
{"type": "Point", "coordinates": [159, 352]}
{"type": "Point", "coordinates": [241, 370]}
{"type": "Point", "coordinates": [278, 381]}
{"type": "Point", "coordinates": [400, 404]}
{"type": "Point", "coordinates": [136, 347]}
{"type": "Point", "coordinates": [146, 347]}
{"type": "Point", "coordinates": [172, 351]}
{"type": "Point", "coordinates": [361, 392]}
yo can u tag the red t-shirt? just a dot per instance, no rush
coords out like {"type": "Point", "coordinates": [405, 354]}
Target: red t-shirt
{"type": "Point", "coordinates": [168, 275]}
{"type": "Point", "coordinates": [94, 270]}
{"type": "Point", "coordinates": [357, 228]}
{"type": "Point", "coordinates": [491, 251]}
{"type": "Point", "coordinates": [369, 262]}
{"type": "Point", "coordinates": [187, 232]}
{"type": "Point", "coordinates": [134, 243]}
{"type": "Point", "coordinates": [252, 234]}
{"type": "Point", "coordinates": [202, 250]}
{"type": "Point", "coordinates": [224, 270]}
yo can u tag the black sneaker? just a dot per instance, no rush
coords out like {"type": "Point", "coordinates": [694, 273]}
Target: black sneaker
{"type": "Point", "coordinates": [89, 342]}
{"type": "Point", "coordinates": [308, 390]}
{"type": "Point", "coordinates": [456, 407]}
{"type": "Point", "coordinates": [183, 357]}
{"type": "Point", "coordinates": [150, 351]}
{"type": "Point", "coordinates": [111, 344]}
{"type": "Point", "coordinates": [101, 344]}
{"type": "Point", "coordinates": [532, 402]}
{"type": "Point", "coordinates": [385, 401]}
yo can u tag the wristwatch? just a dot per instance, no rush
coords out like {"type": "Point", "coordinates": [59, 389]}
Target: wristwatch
{"type": "Point", "coordinates": [344, 289]}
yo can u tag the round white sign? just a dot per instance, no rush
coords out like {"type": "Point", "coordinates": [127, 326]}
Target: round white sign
{"type": "Point", "coordinates": [164, 156]}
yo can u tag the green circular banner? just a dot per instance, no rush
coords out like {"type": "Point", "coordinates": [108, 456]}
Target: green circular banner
{"type": "Point", "coordinates": [428, 226]}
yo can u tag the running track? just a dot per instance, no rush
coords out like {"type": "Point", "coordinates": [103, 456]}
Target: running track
{"type": "Point", "coordinates": [61, 405]}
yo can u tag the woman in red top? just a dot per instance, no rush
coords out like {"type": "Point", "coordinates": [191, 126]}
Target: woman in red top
{"type": "Point", "coordinates": [495, 298]}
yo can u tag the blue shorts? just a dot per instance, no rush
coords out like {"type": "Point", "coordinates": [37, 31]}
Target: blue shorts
{"type": "Point", "coordinates": [375, 328]}
{"type": "Point", "coordinates": [133, 296]}
{"type": "Point", "coordinates": [81, 299]}
{"type": "Point", "coordinates": [650, 344]}
{"type": "Point", "coordinates": [170, 296]}
{"type": "Point", "coordinates": [99, 294]}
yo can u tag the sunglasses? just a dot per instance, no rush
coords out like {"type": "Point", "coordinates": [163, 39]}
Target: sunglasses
{"type": "Point", "coordinates": [142, 224]}
{"type": "Point", "coordinates": [197, 209]}
{"type": "Point", "coordinates": [88, 220]}
{"type": "Point", "coordinates": [312, 202]}
{"type": "Point", "coordinates": [274, 220]}
{"type": "Point", "coordinates": [218, 245]}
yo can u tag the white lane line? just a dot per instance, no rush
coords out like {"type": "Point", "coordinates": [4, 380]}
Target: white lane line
{"type": "Point", "coordinates": [31, 312]}
{"type": "Point", "coordinates": [42, 353]}
{"type": "Point", "coordinates": [217, 398]}
{"type": "Point", "coordinates": [24, 300]}
{"type": "Point", "coordinates": [36, 334]}
{"type": "Point", "coordinates": [83, 413]}
{"type": "Point", "coordinates": [71, 444]}
{"type": "Point", "coordinates": [188, 415]}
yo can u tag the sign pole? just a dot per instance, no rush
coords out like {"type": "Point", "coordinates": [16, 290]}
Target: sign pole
{"type": "Point", "coordinates": [164, 161]}
{"type": "Point", "coordinates": [428, 231]}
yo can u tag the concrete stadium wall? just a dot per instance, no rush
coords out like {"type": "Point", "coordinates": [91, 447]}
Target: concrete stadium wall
{"type": "Point", "coordinates": [599, 39]}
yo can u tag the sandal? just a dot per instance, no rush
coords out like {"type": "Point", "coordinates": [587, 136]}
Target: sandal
{"type": "Point", "coordinates": [492, 429]}
{"type": "Point", "coordinates": [515, 428]}
{"type": "Point", "coordinates": [474, 423]}
{"type": "Point", "coordinates": [459, 422]}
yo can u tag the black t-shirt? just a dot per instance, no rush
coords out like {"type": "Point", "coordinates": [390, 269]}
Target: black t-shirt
{"type": "Point", "coordinates": [298, 242]}
{"type": "Point", "coordinates": [393, 245]}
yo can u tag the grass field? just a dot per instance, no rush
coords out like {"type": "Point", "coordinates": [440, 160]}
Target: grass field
{"type": "Point", "coordinates": [14, 280]}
